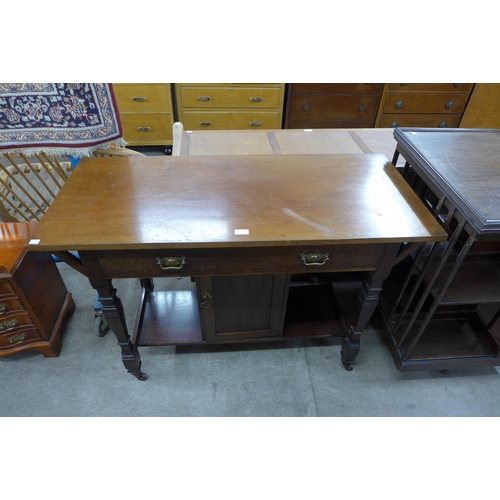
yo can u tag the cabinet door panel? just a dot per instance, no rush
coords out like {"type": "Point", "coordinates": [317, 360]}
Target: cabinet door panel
{"type": "Point", "coordinates": [242, 307]}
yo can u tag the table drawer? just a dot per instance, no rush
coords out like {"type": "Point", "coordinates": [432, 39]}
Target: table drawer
{"type": "Point", "coordinates": [6, 288]}
{"type": "Point", "coordinates": [430, 87]}
{"type": "Point", "coordinates": [19, 337]}
{"type": "Point", "coordinates": [239, 261]}
{"type": "Point", "coordinates": [338, 88]}
{"type": "Point", "coordinates": [147, 128]}
{"type": "Point", "coordinates": [332, 107]}
{"type": "Point", "coordinates": [9, 306]}
{"type": "Point", "coordinates": [231, 120]}
{"type": "Point", "coordinates": [400, 102]}
{"type": "Point", "coordinates": [230, 97]}
{"type": "Point", "coordinates": [419, 120]}
{"type": "Point", "coordinates": [138, 98]}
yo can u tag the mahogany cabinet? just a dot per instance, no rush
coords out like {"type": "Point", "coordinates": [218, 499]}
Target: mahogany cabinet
{"type": "Point", "coordinates": [332, 105]}
{"type": "Point", "coordinates": [33, 297]}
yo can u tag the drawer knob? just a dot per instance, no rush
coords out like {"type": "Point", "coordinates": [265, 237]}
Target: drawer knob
{"type": "Point", "coordinates": [3, 307]}
{"type": "Point", "coordinates": [8, 324]}
{"type": "Point", "coordinates": [457, 84]}
{"type": "Point", "coordinates": [361, 107]}
{"type": "Point", "coordinates": [449, 104]}
{"type": "Point", "coordinates": [314, 259]}
{"type": "Point", "coordinates": [399, 104]}
{"type": "Point", "coordinates": [205, 124]}
{"type": "Point", "coordinates": [394, 124]}
{"type": "Point", "coordinates": [256, 99]}
{"type": "Point", "coordinates": [141, 99]}
{"type": "Point", "coordinates": [207, 300]}
{"type": "Point", "coordinates": [16, 339]}
{"type": "Point", "coordinates": [405, 84]}
{"type": "Point", "coordinates": [305, 107]}
{"type": "Point", "coordinates": [144, 129]}
{"type": "Point", "coordinates": [171, 263]}
{"type": "Point", "coordinates": [255, 124]}
{"type": "Point", "coordinates": [204, 98]}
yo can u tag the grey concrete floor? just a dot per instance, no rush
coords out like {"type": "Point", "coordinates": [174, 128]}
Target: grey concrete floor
{"type": "Point", "coordinates": [299, 379]}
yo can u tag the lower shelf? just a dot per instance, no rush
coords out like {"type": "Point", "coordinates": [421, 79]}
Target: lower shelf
{"type": "Point", "coordinates": [172, 317]}
{"type": "Point", "coordinates": [447, 343]}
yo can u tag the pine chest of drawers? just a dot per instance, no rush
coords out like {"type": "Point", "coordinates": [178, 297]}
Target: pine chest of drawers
{"type": "Point", "coordinates": [230, 106]}
{"type": "Point", "coordinates": [423, 104]}
{"type": "Point", "coordinates": [146, 113]}
{"type": "Point", "coordinates": [332, 105]}
{"type": "Point", "coordinates": [33, 297]}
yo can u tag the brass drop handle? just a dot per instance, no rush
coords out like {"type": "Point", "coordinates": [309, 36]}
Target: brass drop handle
{"type": "Point", "coordinates": [144, 129]}
{"type": "Point", "coordinates": [255, 124]}
{"type": "Point", "coordinates": [256, 99]}
{"type": "Point", "coordinates": [8, 324]}
{"type": "Point", "coordinates": [315, 259]}
{"type": "Point", "coordinates": [207, 300]}
{"type": "Point", "coordinates": [16, 339]}
{"type": "Point", "coordinates": [449, 104]}
{"type": "Point", "coordinates": [171, 263]}
{"type": "Point", "coordinates": [141, 99]}
{"type": "Point", "coordinates": [3, 307]}
{"type": "Point", "coordinates": [204, 98]}
{"type": "Point", "coordinates": [205, 124]}
{"type": "Point", "coordinates": [399, 104]}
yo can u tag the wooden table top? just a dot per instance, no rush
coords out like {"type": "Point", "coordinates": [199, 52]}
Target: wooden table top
{"type": "Point", "coordinates": [231, 201]}
{"type": "Point", "coordinates": [465, 164]}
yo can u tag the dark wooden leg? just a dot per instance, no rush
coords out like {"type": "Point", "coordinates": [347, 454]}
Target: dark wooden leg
{"type": "Point", "coordinates": [367, 303]}
{"type": "Point", "coordinates": [112, 311]}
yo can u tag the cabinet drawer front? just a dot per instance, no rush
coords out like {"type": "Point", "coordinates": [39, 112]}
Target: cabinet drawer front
{"type": "Point", "coordinates": [6, 288]}
{"type": "Point", "coordinates": [13, 323]}
{"type": "Point", "coordinates": [142, 97]}
{"type": "Point", "coordinates": [148, 128]}
{"type": "Point", "coordinates": [391, 120]}
{"type": "Point", "coordinates": [430, 87]}
{"type": "Point", "coordinates": [19, 337]}
{"type": "Point", "coordinates": [230, 97]}
{"type": "Point", "coordinates": [230, 120]}
{"type": "Point", "coordinates": [399, 102]}
{"type": "Point", "coordinates": [239, 261]}
{"type": "Point", "coordinates": [337, 88]}
{"type": "Point", "coordinates": [8, 306]}
{"type": "Point", "coordinates": [332, 107]}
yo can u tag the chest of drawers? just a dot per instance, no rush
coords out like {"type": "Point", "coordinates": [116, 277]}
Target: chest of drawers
{"type": "Point", "coordinates": [423, 104]}
{"type": "Point", "coordinates": [230, 106]}
{"type": "Point", "coordinates": [146, 113]}
{"type": "Point", "coordinates": [332, 105]}
{"type": "Point", "coordinates": [33, 297]}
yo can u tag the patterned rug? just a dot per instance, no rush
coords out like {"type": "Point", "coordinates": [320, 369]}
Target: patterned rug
{"type": "Point", "coordinates": [58, 118]}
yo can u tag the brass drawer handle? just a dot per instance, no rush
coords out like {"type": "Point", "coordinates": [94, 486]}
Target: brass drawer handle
{"type": "Point", "coordinates": [256, 99]}
{"type": "Point", "coordinates": [144, 129]}
{"type": "Point", "coordinates": [206, 124]}
{"type": "Point", "coordinates": [315, 259]}
{"type": "Point", "coordinates": [3, 307]}
{"type": "Point", "coordinates": [204, 98]}
{"type": "Point", "coordinates": [171, 263]}
{"type": "Point", "coordinates": [8, 324]}
{"type": "Point", "coordinates": [399, 104]}
{"type": "Point", "coordinates": [141, 99]}
{"type": "Point", "coordinates": [255, 124]}
{"type": "Point", "coordinates": [16, 339]}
